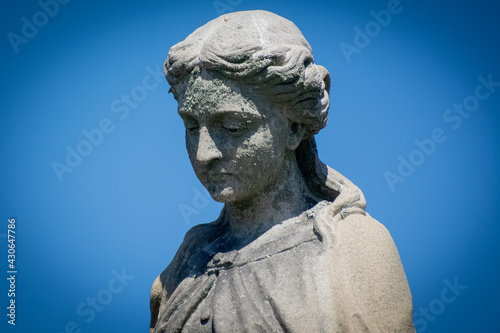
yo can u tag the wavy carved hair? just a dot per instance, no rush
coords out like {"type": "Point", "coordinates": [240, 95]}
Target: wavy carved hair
{"type": "Point", "coordinates": [269, 53]}
{"type": "Point", "coordinates": [263, 50]}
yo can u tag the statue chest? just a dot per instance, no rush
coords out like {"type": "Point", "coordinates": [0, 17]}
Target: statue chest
{"type": "Point", "coordinates": [284, 292]}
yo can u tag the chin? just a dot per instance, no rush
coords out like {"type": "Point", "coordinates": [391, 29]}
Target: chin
{"type": "Point", "coordinates": [221, 194]}
{"type": "Point", "coordinates": [227, 194]}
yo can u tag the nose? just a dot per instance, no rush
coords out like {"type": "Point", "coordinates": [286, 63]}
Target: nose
{"type": "Point", "coordinates": [207, 149]}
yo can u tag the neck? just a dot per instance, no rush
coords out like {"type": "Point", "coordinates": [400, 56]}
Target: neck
{"type": "Point", "coordinates": [287, 197]}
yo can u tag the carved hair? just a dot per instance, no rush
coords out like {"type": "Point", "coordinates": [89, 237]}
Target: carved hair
{"type": "Point", "coordinates": [265, 51]}
{"type": "Point", "coordinates": [269, 53]}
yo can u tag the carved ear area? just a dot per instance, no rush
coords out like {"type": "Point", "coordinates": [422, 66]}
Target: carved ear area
{"type": "Point", "coordinates": [295, 135]}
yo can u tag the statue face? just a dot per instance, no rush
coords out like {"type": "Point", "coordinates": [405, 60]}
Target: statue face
{"type": "Point", "coordinates": [235, 139]}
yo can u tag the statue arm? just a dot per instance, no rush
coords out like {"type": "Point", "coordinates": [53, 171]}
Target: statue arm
{"type": "Point", "coordinates": [155, 301]}
{"type": "Point", "coordinates": [379, 296]}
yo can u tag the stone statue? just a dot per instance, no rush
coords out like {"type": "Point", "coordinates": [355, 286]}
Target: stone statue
{"type": "Point", "coordinates": [293, 249]}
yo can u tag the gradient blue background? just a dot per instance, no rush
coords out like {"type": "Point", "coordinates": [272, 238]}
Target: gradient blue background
{"type": "Point", "coordinates": [121, 207]}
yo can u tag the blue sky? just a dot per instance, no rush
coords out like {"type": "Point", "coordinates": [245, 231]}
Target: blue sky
{"type": "Point", "coordinates": [413, 122]}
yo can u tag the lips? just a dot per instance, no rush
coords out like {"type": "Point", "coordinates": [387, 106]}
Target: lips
{"type": "Point", "coordinates": [211, 174]}
{"type": "Point", "coordinates": [218, 176]}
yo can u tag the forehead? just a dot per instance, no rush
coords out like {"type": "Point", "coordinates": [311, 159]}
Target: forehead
{"type": "Point", "coordinates": [206, 92]}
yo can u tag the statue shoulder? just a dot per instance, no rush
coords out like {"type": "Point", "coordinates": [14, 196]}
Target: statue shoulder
{"type": "Point", "coordinates": [155, 302]}
{"type": "Point", "coordinates": [194, 239]}
{"type": "Point", "coordinates": [364, 227]}
{"type": "Point", "coordinates": [374, 271]}
{"type": "Point", "coordinates": [165, 283]}
{"type": "Point", "coordinates": [368, 238]}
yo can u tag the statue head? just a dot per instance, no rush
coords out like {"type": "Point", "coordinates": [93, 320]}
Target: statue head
{"type": "Point", "coordinates": [264, 51]}
{"type": "Point", "coordinates": [257, 70]}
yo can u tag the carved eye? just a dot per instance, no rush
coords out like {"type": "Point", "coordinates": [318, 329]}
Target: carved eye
{"type": "Point", "coordinates": [191, 125]}
{"type": "Point", "coordinates": [235, 126]}
{"type": "Point", "coordinates": [232, 129]}
{"type": "Point", "coordinates": [237, 122]}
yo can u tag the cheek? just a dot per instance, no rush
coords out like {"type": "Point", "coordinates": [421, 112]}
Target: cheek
{"type": "Point", "coordinates": [259, 154]}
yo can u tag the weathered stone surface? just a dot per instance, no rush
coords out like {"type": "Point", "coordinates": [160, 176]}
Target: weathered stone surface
{"type": "Point", "coordinates": [293, 249]}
